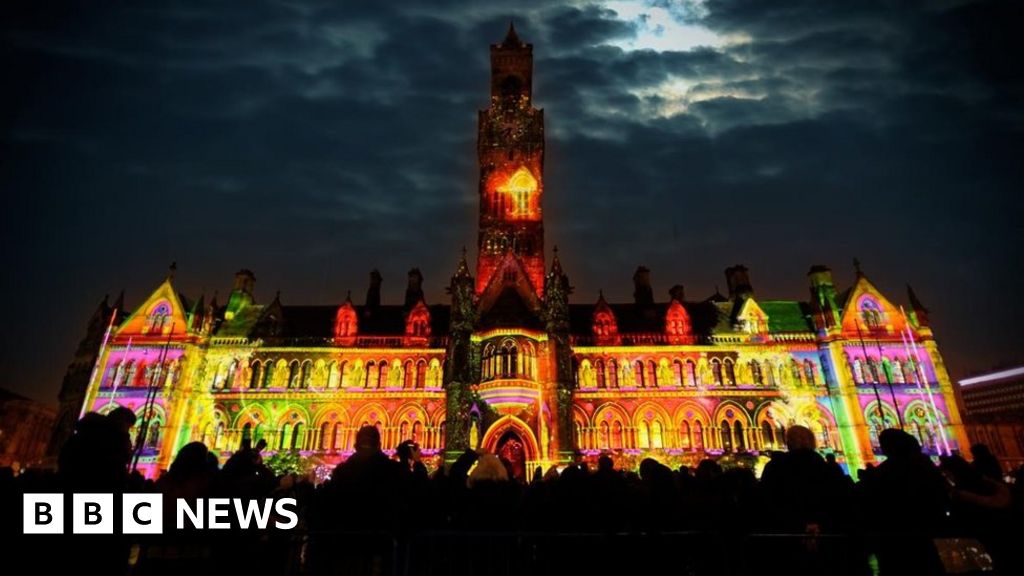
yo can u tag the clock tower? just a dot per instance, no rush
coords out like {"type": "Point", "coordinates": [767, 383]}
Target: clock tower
{"type": "Point", "coordinates": [510, 150]}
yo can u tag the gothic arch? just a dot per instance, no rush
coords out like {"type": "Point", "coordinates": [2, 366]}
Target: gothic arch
{"type": "Point", "coordinates": [509, 423]}
{"type": "Point", "coordinates": [371, 414]}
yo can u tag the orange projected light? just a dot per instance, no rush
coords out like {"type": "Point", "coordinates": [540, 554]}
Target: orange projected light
{"type": "Point", "coordinates": [521, 191]}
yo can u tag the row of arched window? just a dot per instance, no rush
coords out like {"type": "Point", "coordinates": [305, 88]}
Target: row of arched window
{"type": "Point", "coordinates": [894, 370]}
{"type": "Point", "coordinates": [331, 436]}
{"type": "Point", "coordinates": [720, 372]}
{"type": "Point", "coordinates": [508, 359]}
{"type": "Point", "coordinates": [690, 436]}
{"type": "Point", "coordinates": [140, 374]}
{"type": "Point", "coordinates": [418, 373]}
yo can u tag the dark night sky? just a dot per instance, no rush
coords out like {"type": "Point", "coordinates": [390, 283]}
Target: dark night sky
{"type": "Point", "coordinates": [314, 141]}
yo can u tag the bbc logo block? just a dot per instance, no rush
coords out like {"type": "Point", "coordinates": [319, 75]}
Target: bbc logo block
{"type": "Point", "coordinates": [92, 514]}
{"type": "Point", "coordinates": [43, 514]}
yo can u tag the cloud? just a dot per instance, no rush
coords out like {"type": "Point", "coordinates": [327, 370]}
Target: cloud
{"type": "Point", "coordinates": [313, 141]}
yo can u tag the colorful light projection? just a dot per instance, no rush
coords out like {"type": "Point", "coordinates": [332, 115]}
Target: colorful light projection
{"type": "Point", "coordinates": [518, 197]}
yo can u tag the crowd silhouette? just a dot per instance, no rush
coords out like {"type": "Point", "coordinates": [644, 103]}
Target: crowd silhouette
{"type": "Point", "coordinates": [381, 514]}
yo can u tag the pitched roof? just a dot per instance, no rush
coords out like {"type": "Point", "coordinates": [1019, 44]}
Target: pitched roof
{"type": "Point", "coordinates": [313, 322]}
{"type": "Point", "coordinates": [788, 316]}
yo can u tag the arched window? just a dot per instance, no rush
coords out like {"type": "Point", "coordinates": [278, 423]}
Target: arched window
{"type": "Point", "coordinates": [421, 373]}
{"type": "Point", "coordinates": [372, 375]}
{"type": "Point", "coordinates": [794, 367]}
{"type": "Point", "coordinates": [643, 435]}
{"type": "Point", "coordinates": [698, 436]}
{"type": "Point", "coordinates": [416, 428]}
{"type": "Point", "coordinates": [755, 372]}
{"type": "Point", "coordinates": [897, 371]}
{"type": "Point", "coordinates": [286, 433]}
{"type": "Point", "coordinates": [324, 429]}
{"type": "Point", "coordinates": [307, 371]}
{"type": "Point", "coordinates": [871, 314]}
{"type": "Point", "coordinates": [130, 374]}
{"type": "Point", "coordinates": [247, 434]}
{"type": "Point", "coordinates": [218, 438]}
{"type": "Point", "coordinates": [657, 441]}
{"type": "Point", "coordinates": [652, 374]}
{"type": "Point", "coordinates": [602, 437]}
{"type": "Point", "coordinates": [858, 371]}
{"type": "Point", "coordinates": [809, 373]}
{"type": "Point", "coordinates": [768, 435]}
{"type": "Point", "coordinates": [268, 373]}
{"type": "Point", "coordinates": [613, 373]}
{"type": "Point", "coordinates": [384, 367]}
{"type": "Point", "coordinates": [296, 442]}
{"type": "Point", "coordinates": [730, 372]}
{"type": "Point", "coordinates": [293, 374]}
{"type": "Point", "coordinates": [599, 368]}
{"type": "Point", "coordinates": [770, 374]}
{"type": "Point", "coordinates": [617, 436]}
{"type": "Point", "coordinates": [337, 442]}
{"type": "Point", "coordinates": [726, 430]}
{"type": "Point", "coordinates": [638, 374]}
{"type": "Point", "coordinates": [409, 375]}
{"type": "Point", "coordinates": [677, 372]}
{"type": "Point", "coordinates": [684, 436]}
{"type": "Point", "coordinates": [910, 371]}
{"type": "Point", "coordinates": [691, 373]}
{"type": "Point", "coordinates": [741, 441]}
{"type": "Point", "coordinates": [716, 371]}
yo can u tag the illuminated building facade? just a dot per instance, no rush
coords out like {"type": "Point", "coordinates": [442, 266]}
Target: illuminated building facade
{"type": "Point", "coordinates": [509, 365]}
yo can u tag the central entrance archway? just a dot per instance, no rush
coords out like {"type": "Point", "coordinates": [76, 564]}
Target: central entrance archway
{"type": "Point", "coordinates": [514, 443]}
{"type": "Point", "coordinates": [512, 454]}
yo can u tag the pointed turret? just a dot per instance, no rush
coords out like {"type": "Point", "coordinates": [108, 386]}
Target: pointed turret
{"type": "Point", "coordinates": [511, 38]}
{"type": "Point", "coordinates": [556, 297]}
{"type": "Point", "coordinates": [346, 322]}
{"type": "Point", "coordinates": [603, 324]}
{"type": "Point", "coordinates": [463, 314]}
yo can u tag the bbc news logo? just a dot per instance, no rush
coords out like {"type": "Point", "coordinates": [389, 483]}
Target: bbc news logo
{"type": "Point", "coordinates": [144, 514]}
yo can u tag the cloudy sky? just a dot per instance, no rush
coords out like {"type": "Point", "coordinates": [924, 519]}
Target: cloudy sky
{"type": "Point", "coordinates": [314, 141]}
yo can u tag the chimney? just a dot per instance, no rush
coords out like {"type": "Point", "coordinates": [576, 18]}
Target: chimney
{"type": "Point", "coordinates": [738, 282]}
{"type": "Point", "coordinates": [245, 281]}
{"type": "Point", "coordinates": [643, 295]}
{"type": "Point", "coordinates": [414, 290]}
{"type": "Point", "coordinates": [820, 276]}
{"type": "Point", "coordinates": [373, 292]}
{"type": "Point", "coordinates": [241, 293]}
{"type": "Point", "coordinates": [677, 293]}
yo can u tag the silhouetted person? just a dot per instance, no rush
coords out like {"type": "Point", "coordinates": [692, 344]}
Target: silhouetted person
{"type": "Point", "coordinates": [801, 490]}
{"type": "Point", "coordinates": [366, 500]}
{"type": "Point", "coordinates": [95, 460]}
{"type": "Point", "coordinates": [986, 463]}
{"type": "Point", "coordinates": [904, 501]}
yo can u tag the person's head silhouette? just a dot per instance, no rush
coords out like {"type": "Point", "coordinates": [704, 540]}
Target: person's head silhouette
{"type": "Point", "coordinates": [368, 439]}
